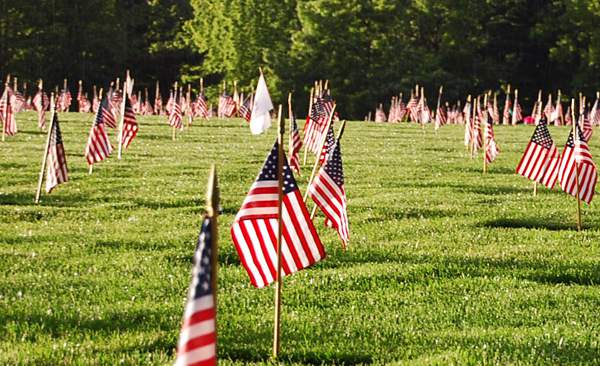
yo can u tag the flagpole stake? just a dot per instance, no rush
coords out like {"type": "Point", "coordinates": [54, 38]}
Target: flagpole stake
{"type": "Point", "coordinates": [45, 155]}
{"type": "Point", "coordinates": [212, 211]}
{"type": "Point", "coordinates": [278, 284]}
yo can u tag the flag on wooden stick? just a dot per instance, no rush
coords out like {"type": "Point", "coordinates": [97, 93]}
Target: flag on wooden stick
{"type": "Point", "coordinates": [56, 162]}
{"type": "Point", "coordinates": [130, 125]}
{"type": "Point", "coordinates": [541, 158]}
{"type": "Point", "coordinates": [255, 228]}
{"type": "Point", "coordinates": [577, 171]}
{"type": "Point", "coordinates": [327, 190]}
{"type": "Point", "coordinates": [260, 119]}
{"type": "Point", "coordinates": [98, 146]}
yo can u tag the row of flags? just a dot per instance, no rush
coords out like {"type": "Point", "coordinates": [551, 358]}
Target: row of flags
{"type": "Point", "coordinates": [574, 169]}
{"type": "Point", "coordinates": [416, 110]}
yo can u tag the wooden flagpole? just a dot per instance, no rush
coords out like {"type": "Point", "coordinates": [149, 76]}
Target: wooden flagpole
{"type": "Point", "coordinates": [122, 117]}
{"type": "Point", "coordinates": [310, 103]}
{"type": "Point", "coordinates": [212, 211]}
{"type": "Point", "coordinates": [45, 154]}
{"type": "Point", "coordinates": [576, 136]}
{"type": "Point", "coordinates": [290, 142]}
{"type": "Point", "coordinates": [278, 284]}
{"type": "Point", "coordinates": [486, 127]}
{"type": "Point", "coordinates": [475, 108]}
{"type": "Point", "coordinates": [188, 101]}
{"type": "Point", "coordinates": [321, 144]}
{"type": "Point", "coordinates": [422, 106]}
{"type": "Point", "coordinates": [100, 96]}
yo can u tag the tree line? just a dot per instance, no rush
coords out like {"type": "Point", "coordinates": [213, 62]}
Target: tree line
{"type": "Point", "coordinates": [369, 50]}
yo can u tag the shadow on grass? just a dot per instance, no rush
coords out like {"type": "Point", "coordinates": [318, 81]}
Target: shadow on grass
{"type": "Point", "coordinates": [464, 188]}
{"type": "Point", "coordinates": [384, 214]}
{"type": "Point", "coordinates": [450, 267]}
{"type": "Point", "coordinates": [528, 223]}
{"type": "Point", "coordinates": [46, 200]}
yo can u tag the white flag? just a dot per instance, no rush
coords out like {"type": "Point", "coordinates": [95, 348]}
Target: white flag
{"type": "Point", "coordinates": [260, 119]}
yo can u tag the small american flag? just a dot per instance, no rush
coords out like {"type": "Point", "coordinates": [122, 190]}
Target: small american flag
{"type": "Point", "coordinates": [98, 146]}
{"type": "Point", "coordinates": [227, 106]}
{"type": "Point", "coordinates": [175, 116]}
{"type": "Point", "coordinates": [517, 114]}
{"type": "Point", "coordinates": [130, 125]}
{"type": "Point", "coordinates": [245, 110]}
{"type": "Point", "coordinates": [255, 228]}
{"type": "Point", "coordinates": [440, 117]}
{"type": "Point", "coordinates": [108, 114]}
{"type": "Point", "coordinates": [200, 107]}
{"type": "Point", "coordinates": [40, 104]}
{"type": "Point", "coordinates": [295, 145]}
{"type": "Point", "coordinates": [507, 111]}
{"type": "Point", "coordinates": [491, 148]}
{"type": "Point", "coordinates": [56, 161]}
{"type": "Point", "coordinates": [588, 129]}
{"type": "Point", "coordinates": [541, 159]}
{"type": "Point", "coordinates": [7, 113]}
{"type": "Point", "coordinates": [577, 152]}
{"type": "Point", "coordinates": [549, 110]}
{"type": "Point", "coordinates": [197, 344]}
{"type": "Point", "coordinates": [327, 190]}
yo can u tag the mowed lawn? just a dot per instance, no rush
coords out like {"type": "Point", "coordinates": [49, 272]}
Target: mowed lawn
{"type": "Point", "coordinates": [445, 265]}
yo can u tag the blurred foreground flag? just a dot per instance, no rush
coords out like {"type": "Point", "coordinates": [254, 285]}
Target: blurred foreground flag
{"type": "Point", "coordinates": [255, 228]}
{"type": "Point", "coordinates": [261, 117]}
{"type": "Point", "coordinates": [198, 338]}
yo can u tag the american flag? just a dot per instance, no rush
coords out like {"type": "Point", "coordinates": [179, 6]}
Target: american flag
{"type": "Point", "coordinates": [328, 146]}
{"type": "Point", "coordinates": [227, 106]}
{"type": "Point", "coordinates": [98, 146]}
{"type": "Point", "coordinates": [317, 122]}
{"type": "Point", "coordinates": [595, 114]}
{"type": "Point", "coordinates": [201, 109]}
{"type": "Point", "coordinates": [245, 110]}
{"type": "Point", "coordinates": [491, 148]}
{"type": "Point", "coordinates": [255, 228]}
{"type": "Point", "coordinates": [507, 111]}
{"type": "Point", "coordinates": [541, 159]}
{"type": "Point", "coordinates": [197, 344]}
{"type": "Point", "coordinates": [380, 114]}
{"type": "Point", "coordinates": [295, 145]}
{"type": "Point", "coordinates": [64, 101]}
{"type": "Point", "coordinates": [158, 103]}
{"type": "Point", "coordinates": [56, 161]}
{"type": "Point", "coordinates": [549, 110]}
{"type": "Point", "coordinates": [577, 152]}
{"type": "Point", "coordinates": [170, 102]}
{"type": "Point", "coordinates": [175, 116]}
{"type": "Point", "coordinates": [18, 102]}
{"type": "Point", "coordinates": [130, 125]}
{"type": "Point", "coordinates": [95, 103]}
{"type": "Point", "coordinates": [517, 115]}
{"type": "Point", "coordinates": [327, 190]}
{"type": "Point", "coordinates": [7, 113]}
{"type": "Point", "coordinates": [587, 126]}
{"type": "Point", "coordinates": [413, 108]}
{"type": "Point", "coordinates": [108, 112]}
{"type": "Point", "coordinates": [469, 122]}
{"type": "Point", "coordinates": [40, 104]}
{"type": "Point", "coordinates": [477, 140]}
{"type": "Point", "coordinates": [440, 117]}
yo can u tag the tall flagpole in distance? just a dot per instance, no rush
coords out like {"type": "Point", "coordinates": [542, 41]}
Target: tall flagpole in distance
{"type": "Point", "coordinates": [278, 284]}
{"type": "Point", "coordinates": [575, 134]}
{"type": "Point", "coordinates": [45, 155]}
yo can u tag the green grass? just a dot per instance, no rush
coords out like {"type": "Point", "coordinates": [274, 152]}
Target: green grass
{"type": "Point", "coordinates": [446, 265]}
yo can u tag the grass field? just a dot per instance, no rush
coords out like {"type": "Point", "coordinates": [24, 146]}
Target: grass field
{"type": "Point", "coordinates": [446, 265]}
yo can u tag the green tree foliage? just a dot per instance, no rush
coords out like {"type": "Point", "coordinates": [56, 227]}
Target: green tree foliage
{"type": "Point", "coordinates": [369, 50]}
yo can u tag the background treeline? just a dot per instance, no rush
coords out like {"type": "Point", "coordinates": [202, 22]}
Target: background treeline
{"type": "Point", "coordinates": [368, 49]}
